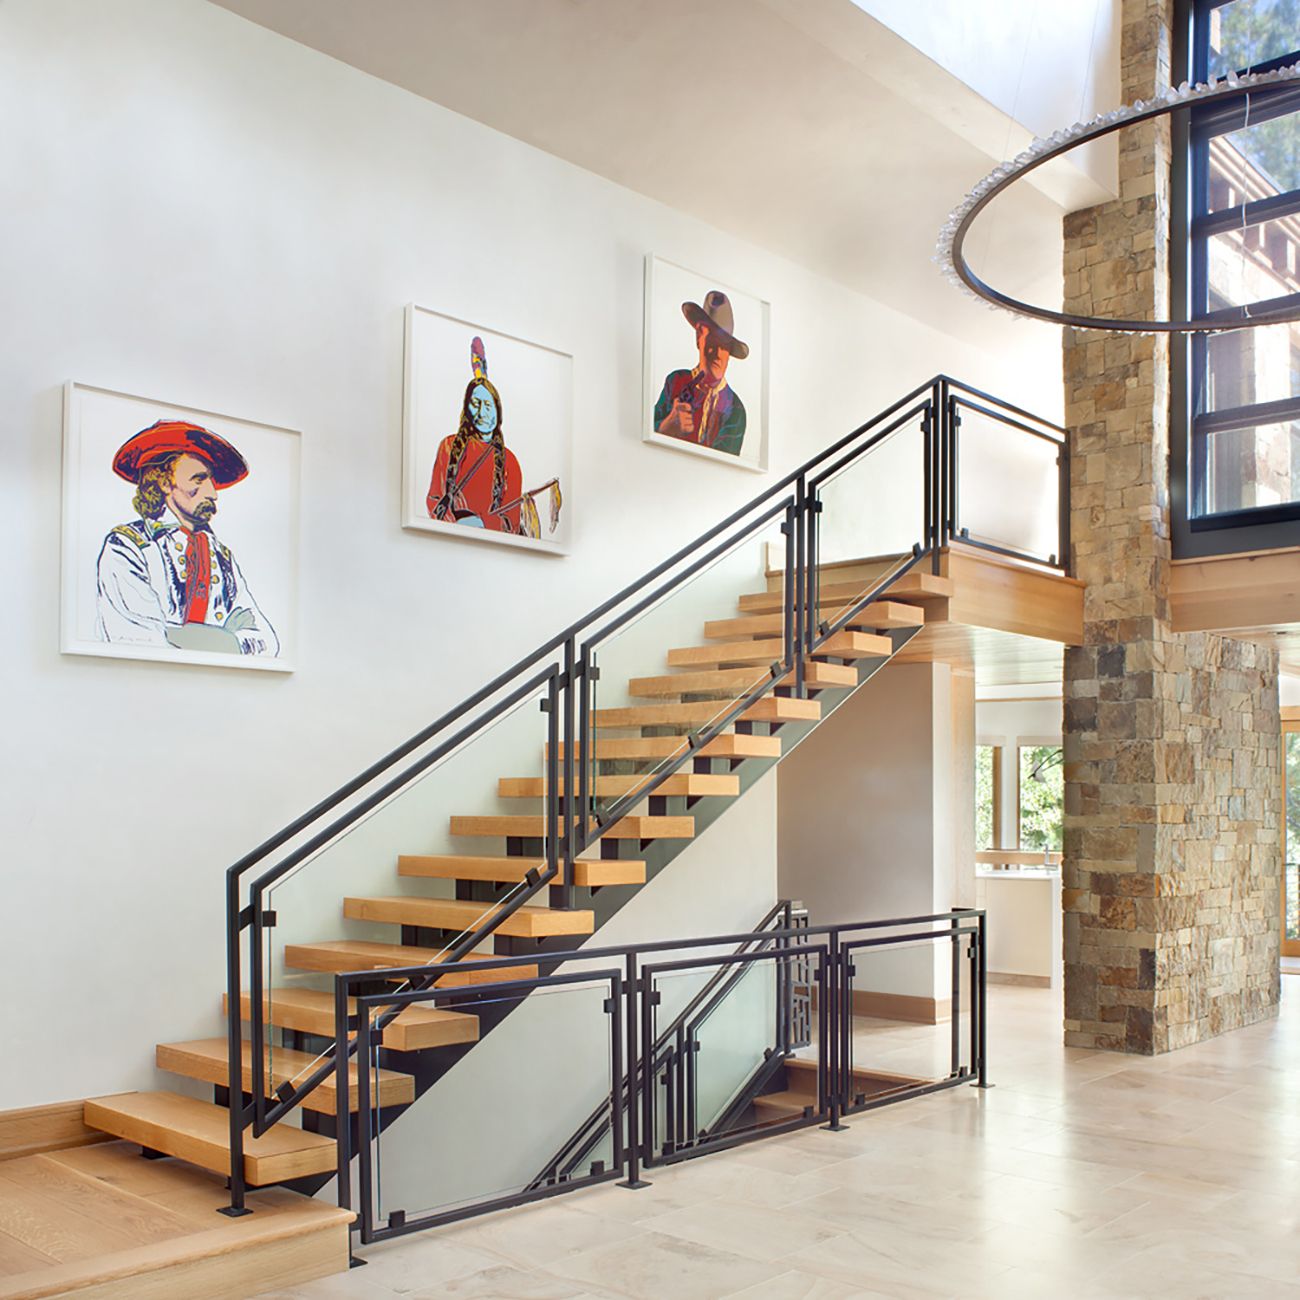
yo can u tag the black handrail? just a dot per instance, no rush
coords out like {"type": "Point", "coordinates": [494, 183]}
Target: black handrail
{"type": "Point", "coordinates": [567, 681]}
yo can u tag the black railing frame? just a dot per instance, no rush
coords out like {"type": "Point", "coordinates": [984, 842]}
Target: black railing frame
{"type": "Point", "coordinates": [634, 1049]}
{"type": "Point", "coordinates": [565, 668]}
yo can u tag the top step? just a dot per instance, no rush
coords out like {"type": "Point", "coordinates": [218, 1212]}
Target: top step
{"type": "Point", "coordinates": [880, 615]}
{"type": "Point", "coordinates": [913, 585]}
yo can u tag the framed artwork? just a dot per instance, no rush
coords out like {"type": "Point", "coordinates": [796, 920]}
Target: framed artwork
{"type": "Point", "coordinates": [487, 436]}
{"type": "Point", "coordinates": [180, 533]}
{"type": "Point", "coordinates": [706, 345]}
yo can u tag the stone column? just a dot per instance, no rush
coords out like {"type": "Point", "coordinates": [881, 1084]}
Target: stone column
{"type": "Point", "coordinates": [1172, 742]}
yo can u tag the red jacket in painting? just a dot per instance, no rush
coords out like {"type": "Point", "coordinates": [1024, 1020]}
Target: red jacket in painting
{"type": "Point", "coordinates": [469, 499]}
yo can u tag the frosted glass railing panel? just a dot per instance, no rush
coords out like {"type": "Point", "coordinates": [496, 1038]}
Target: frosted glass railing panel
{"type": "Point", "coordinates": [661, 678]}
{"type": "Point", "coordinates": [903, 1015]}
{"type": "Point", "coordinates": [875, 506]}
{"type": "Point", "coordinates": [1007, 486]}
{"type": "Point", "coordinates": [311, 904]}
{"type": "Point", "coordinates": [494, 1121]}
{"type": "Point", "coordinates": [733, 1041]}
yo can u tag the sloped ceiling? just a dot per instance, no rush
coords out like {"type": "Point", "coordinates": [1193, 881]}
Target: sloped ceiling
{"type": "Point", "coordinates": [804, 126]}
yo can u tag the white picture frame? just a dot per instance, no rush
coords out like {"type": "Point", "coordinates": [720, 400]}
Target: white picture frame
{"type": "Point", "coordinates": [119, 572]}
{"type": "Point", "coordinates": [670, 347]}
{"type": "Point", "coordinates": [534, 385]}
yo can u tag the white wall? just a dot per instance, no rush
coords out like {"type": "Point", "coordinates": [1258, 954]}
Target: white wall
{"type": "Point", "coordinates": [866, 806]}
{"type": "Point", "coordinates": [194, 209]}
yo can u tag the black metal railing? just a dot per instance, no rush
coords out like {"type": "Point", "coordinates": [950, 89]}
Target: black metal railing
{"type": "Point", "coordinates": [645, 1110]}
{"type": "Point", "coordinates": [672, 1044]}
{"type": "Point", "coordinates": [563, 670]}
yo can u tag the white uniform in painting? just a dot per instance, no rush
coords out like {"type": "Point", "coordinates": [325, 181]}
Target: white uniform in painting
{"type": "Point", "coordinates": [142, 596]}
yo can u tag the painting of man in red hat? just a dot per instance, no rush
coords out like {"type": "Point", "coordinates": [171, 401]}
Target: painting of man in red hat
{"type": "Point", "coordinates": [163, 578]}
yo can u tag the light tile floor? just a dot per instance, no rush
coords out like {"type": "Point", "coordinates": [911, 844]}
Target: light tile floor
{"type": "Point", "coordinates": [1081, 1174]}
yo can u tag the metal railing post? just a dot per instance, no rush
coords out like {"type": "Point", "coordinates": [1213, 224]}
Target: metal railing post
{"type": "Point", "coordinates": [634, 1068]}
{"type": "Point", "coordinates": [552, 801]}
{"type": "Point", "coordinates": [234, 1049]}
{"type": "Point", "coordinates": [572, 810]}
{"type": "Point", "coordinates": [586, 749]}
{"type": "Point", "coordinates": [955, 1018]}
{"type": "Point", "coordinates": [929, 468]}
{"type": "Point", "coordinates": [952, 435]}
{"type": "Point", "coordinates": [1063, 506]}
{"type": "Point", "coordinates": [839, 1024]}
{"type": "Point", "coordinates": [789, 647]}
{"type": "Point", "coordinates": [343, 1092]}
{"type": "Point", "coordinates": [801, 617]}
{"type": "Point", "coordinates": [981, 992]}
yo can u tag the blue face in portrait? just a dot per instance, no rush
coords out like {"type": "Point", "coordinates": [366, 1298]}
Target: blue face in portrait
{"type": "Point", "coordinates": [482, 410]}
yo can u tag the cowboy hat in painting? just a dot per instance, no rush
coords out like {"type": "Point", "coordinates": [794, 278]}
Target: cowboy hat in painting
{"type": "Point", "coordinates": [170, 437]}
{"type": "Point", "coordinates": [717, 315]}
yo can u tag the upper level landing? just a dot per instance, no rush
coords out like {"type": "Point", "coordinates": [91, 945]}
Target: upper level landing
{"type": "Point", "coordinates": [1005, 621]}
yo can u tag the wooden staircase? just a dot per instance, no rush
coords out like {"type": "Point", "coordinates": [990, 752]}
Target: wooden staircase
{"type": "Point", "coordinates": [631, 744]}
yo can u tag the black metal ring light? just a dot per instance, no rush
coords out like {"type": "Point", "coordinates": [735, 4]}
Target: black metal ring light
{"type": "Point", "coordinates": [951, 251]}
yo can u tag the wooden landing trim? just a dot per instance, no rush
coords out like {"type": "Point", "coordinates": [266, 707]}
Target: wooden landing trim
{"type": "Point", "coordinates": [992, 592]}
{"type": "Point", "coordinates": [35, 1129]}
{"type": "Point", "coordinates": [1236, 593]}
{"type": "Point", "coordinates": [100, 1223]}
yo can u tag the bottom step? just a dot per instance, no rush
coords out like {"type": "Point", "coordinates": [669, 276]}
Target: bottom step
{"type": "Point", "coordinates": [199, 1132]}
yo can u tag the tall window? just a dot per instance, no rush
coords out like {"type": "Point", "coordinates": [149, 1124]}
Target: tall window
{"type": "Point", "coordinates": [1244, 196]}
{"type": "Point", "coordinates": [1042, 797]}
{"type": "Point", "coordinates": [988, 797]}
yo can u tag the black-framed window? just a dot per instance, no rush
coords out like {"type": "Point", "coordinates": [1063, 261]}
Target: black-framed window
{"type": "Point", "coordinates": [1241, 203]}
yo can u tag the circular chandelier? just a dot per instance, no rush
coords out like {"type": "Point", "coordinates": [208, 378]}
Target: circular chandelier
{"type": "Point", "coordinates": [950, 254]}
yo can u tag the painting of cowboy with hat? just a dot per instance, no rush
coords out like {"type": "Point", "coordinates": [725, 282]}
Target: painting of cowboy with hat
{"type": "Point", "coordinates": [163, 578]}
{"type": "Point", "coordinates": [700, 407]}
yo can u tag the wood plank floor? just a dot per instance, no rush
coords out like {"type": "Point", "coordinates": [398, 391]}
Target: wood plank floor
{"type": "Point", "coordinates": [100, 1221]}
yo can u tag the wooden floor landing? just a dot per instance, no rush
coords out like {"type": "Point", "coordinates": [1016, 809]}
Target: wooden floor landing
{"type": "Point", "coordinates": [100, 1221]}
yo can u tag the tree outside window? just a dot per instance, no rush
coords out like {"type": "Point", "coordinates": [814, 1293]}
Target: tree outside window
{"type": "Point", "coordinates": [1042, 798]}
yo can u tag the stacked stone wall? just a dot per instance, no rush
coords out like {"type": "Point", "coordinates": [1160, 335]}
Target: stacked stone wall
{"type": "Point", "coordinates": [1172, 863]}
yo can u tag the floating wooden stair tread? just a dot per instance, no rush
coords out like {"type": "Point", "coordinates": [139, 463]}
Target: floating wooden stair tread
{"type": "Point", "coordinates": [843, 645]}
{"type": "Point", "coordinates": [771, 708]}
{"type": "Point", "coordinates": [693, 785]}
{"type": "Point", "coordinates": [801, 1075]}
{"type": "Point", "coordinates": [784, 1105]}
{"type": "Point", "coordinates": [311, 1011]}
{"type": "Point", "coordinates": [534, 828]}
{"type": "Point", "coordinates": [727, 745]}
{"type": "Point", "coordinates": [464, 914]}
{"type": "Point", "coordinates": [735, 682]}
{"type": "Point", "coordinates": [911, 586]}
{"type": "Point", "coordinates": [587, 872]}
{"type": "Point", "coordinates": [205, 1060]}
{"type": "Point", "coordinates": [880, 614]}
{"type": "Point", "coordinates": [335, 955]}
{"type": "Point", "coordinates": [199, 1132]}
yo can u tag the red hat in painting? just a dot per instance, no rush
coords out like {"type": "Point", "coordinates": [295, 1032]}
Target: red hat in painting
{"type": "Point", "coordinates": [170, 437]}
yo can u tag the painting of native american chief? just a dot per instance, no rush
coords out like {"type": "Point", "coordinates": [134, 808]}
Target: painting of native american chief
{"type": "Point", "coordinates": [705, 367]}
{"type": "Point", "coordinates": [487, 434]}
{"type": "Point", "coordinates": [180, 533]}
